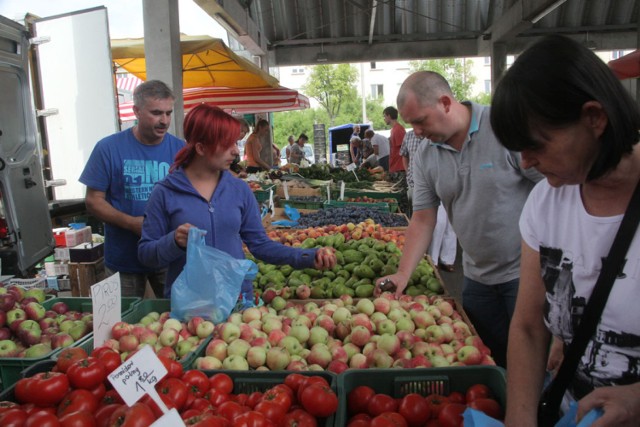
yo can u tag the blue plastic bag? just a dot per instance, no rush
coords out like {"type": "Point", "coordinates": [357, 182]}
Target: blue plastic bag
{"type": "Point", "coordinates": [569, 419]}
{"type": "Point", "coordinates": [210, 283]}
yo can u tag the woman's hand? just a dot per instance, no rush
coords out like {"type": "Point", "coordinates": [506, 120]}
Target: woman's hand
{"type": "Point", "coordinates": [621, 405]}
{"type": "Point", "coordinates": [397, 281]}
{"type": "Point", "coordinates": [182, 234]}
{"type": "Point", "coordinates": [556, 355]}
{"type": "Point", "coordinates": [325, 258]}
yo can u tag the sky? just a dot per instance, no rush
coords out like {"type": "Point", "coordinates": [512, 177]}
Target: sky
{"type": "Point", "coordinates": [125, 16]}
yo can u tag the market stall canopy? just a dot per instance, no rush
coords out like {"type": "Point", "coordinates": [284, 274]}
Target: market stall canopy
{"type": "Point", "coordinates": [627, 67]}
{"type": "Point", "coordinates": [206, 62]}
{"type": "Point", "coordinates": [235, 101]}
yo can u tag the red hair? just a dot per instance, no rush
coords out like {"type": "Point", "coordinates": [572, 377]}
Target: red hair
{"type": "Point", "coordinates": [210, 126]}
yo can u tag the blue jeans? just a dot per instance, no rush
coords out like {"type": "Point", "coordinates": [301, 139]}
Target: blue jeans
{"type": "Point", "coordinates": [490, 308]}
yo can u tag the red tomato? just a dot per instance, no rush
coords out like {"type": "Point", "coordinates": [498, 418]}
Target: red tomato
{"type": "Point", "coordinates": [111, 360]}
{"type": "Point", "coordinates": [251, 419]}
{"type": "Point", "coordinates": [69, 356]}
{"type": "Point", "coordinates": [476, 391]}
{"type": "Point", "coordinates": [433, 423]}
{"type": "Point", "coordinates": [5, 405]}
{"type": "Point", "coordinates": [456, 397]}
{"type": "Point", "coordinates": [273, 410]}
{"type": "Point", "coordinates": [299, 418]}
{"type": "Point", "coordinates": [175, 390]}
{"type": "Point", "coordinates": [197, 382]}
{"type": "Point", "coordinates": [221, 382]}
{"type": "Point", "coordinates": [103, 414]}
{"type": "Point", "coordinates": [380, 403]}
{"type": "Point", "coordinates": [42, 419]}
{"type": "Point", "coordinates": [173, 367]}
{"type": "Point", "coordinates": [254, 398]}
{"type": "Point", "coordinates": [77, 400]}
{"type": "Point", "coordinates": [86, 373]}
{"type": "Point", "coordinates": [99, 392]}
{"type": "Point", "coordinates": [241, 398]}
{"type": "Point", "coordinates": [216, 397]}
{"type": "Point", "coordinates": [358, 399]}
{"type": "Point", "coordinates": [451, 414]}
{"type": "Point", "coordinates": [359, 420]}
{"type": "Point", "coordinates": [414, 409]}
{"type": "Point", "coordinates": [42, 389]}
{"type": "Point", "coordinates": [78, 419]}
{"type": "Point", "coordinates": [13, 417]}
{"type": "Point", "coordinates": [110, 397]}
{"type": "Point", "coordinates": [280, 395]}
{"type": "Point", "coordinates": [389, 419]}
{"type": "Point", "coordinates": [309, 381]}
{"type": "Point", "coordinates": [207, 421]}
{"type": "Point", "coordinates": [231, 409]}
{"type": "Point", "coordinates": [200, 404]}
{"type": "Point", "coordinates": [436, 402]}
{"type": "Point", "coordinates": [294, 380]}
{"type": "Point", "coordinates": [489, 406]}
{"type": "Point", "coordinates": [319, 400]}
{"type": "Point", "coordinates": [31, 409]}
{"type": "Point", "coordinates": [139, 415]}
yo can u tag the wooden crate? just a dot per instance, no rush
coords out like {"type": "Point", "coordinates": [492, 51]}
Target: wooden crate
{"type": "Point", "coordinates": [85, 274]}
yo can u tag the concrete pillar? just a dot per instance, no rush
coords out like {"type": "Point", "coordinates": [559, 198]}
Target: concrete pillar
{"type": "Point", "coordinates": [498, 63]}
{"type": "Point", "coordinates": [162, 51]}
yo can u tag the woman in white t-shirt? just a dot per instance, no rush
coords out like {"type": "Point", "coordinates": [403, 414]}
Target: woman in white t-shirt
{"type": "Point", "coordinates": [572, 120]}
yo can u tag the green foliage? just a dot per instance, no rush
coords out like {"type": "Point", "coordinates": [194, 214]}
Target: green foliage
{"type": "Point", "coordinates": [332, 85]}
{"type": "Point", "coordinates": [292, 123]}
{"type": "Point", "coordinates": [483, 98]}
{"type": "Point", "coordinates": [456, 71]}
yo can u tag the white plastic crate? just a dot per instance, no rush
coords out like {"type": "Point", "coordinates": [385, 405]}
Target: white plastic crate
{"type": "Point", "coordinates": [37, 282]}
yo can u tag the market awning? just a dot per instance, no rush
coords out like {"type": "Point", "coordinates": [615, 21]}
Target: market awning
{"type": "Point", "coordinates": [627, 67]}
{"type": "Point", "coordinates": [236, 101]}
{"type": "Point", "coordinates": [206, 62]}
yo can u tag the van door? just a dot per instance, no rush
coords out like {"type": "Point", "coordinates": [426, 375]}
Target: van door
{"type": "Point", "coordinates": [26, 236]}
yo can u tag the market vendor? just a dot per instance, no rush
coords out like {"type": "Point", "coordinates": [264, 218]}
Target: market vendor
{"type": "Point", "coordinates": [571, 119]}
{"type": "Point", "coordinates": [200, 191]}
{"type": "Point", "coordinates": [253, 148]}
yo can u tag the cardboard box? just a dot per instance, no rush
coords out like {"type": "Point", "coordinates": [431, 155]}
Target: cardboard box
{"type": "Point", "coordinates": [74, 237]}
{"type": "Point", "coordinates": [85, 274]}
{"type": "Point", "coordinates": [56, 268]}
{"type": "Point", "coordinates": [61, 254]}
{"type": "Point", "coordinates": [297, 191]}
{"type": "Point", "coordinates": [86, 252]}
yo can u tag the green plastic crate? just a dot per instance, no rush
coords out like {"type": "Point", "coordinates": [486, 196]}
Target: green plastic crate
{"type": "Point", "coordinates": [424, 381]}
{"type": "Point", "coordinates": [383, 206]}
{"type": "Point", "coordinates": [299, 204]}
{"type": "Point", "coordinates": [10, 367]}
{"type": "Point", "coordinates": [250, 381]}
{"type": "Point", "coordinates": [393, 206]}
{"type": "Point", "coordinates": [263, 195]}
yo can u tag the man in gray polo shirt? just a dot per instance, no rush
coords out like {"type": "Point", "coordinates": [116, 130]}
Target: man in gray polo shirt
{"type": "Point", "coordinates": [482, 187]}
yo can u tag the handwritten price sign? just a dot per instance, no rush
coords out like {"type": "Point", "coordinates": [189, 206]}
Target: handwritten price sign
{"type": "Point", "coordinates": [138, 376]}
{"type": "Point", "coordinates": [105, 297]}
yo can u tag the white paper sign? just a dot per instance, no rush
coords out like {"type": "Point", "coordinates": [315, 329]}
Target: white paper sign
{"type": "Point", "coordinates": [329, 190]}
{"type": "Point", "coordinates": [351, 167]}
{"type": "Point", "coordinates": [107, 308]}
{"type": "Point", "coordinates": [341, 190]}
{"type": "Point", "coordinates": [138, 376]}
{"type": "Point", "coordinates": [286, 190]}
{"type": "Point", "coordinates": [170, 419]}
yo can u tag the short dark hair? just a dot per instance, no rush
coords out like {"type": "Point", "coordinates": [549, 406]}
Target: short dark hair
{"type": "Point", "coordinates": [391, 112]}
{"type": "Point", "coordinates": [369, 133]}
{"type": "Point", "coordinates": [151, 89]}
{"type": "Point", "coordinates": [549, 84]}
{"type": "Point", "coordinates": [303, 136]}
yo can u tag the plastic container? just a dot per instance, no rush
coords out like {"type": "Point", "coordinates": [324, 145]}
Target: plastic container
{"type": "Point", "coordinates": [10, 367]}
{"type": "Point", "coordinates": [383, 206]}
{"type": "Point", "coordinates": [263, 195]}
{"type": "Point", "coordinates": [300, 204]}
{"type": "Point", "coordinates": [424, 381]}
{"type": "Point", "coordinates": [250, 381]}
{"type": "Point", "coordinates": [36, 282]}
{"type": "Point", "coordinates": [393, 206]}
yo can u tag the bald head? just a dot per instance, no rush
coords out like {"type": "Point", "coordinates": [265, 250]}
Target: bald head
{"type": "Point", "coordinates": [426, 86]}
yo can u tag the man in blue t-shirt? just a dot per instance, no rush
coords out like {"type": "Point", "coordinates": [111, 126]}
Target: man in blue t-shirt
{"type": "Point", "coordinates": [120, 175]}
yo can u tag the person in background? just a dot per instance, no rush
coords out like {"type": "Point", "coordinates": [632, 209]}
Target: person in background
{"type": "Point", "coordinates": [459, 170]}
{"type": "Point", "coordinates": [120, 175]}
{"type": "Point", "coordinates": [570, 117]}
{"type": "Point", "coordinates": [297, 154]}
{"type": "Point", "coordinates": [396, 166]}
{"type": "Point", "coordinates": [253, 147]}
{"type": "Point", "coordinates": [369, 158]}
{"type": "Point", "coordinates": [235, 168]}
{"type": "Point", "coordinates": [444, 243]}
{"type": "Point", "coordinates": [380, 146]}
{"type": "Point", "coordinates": [355, 149]}
{"type": "Point", "coordinates": [200, 192]}
{"type": "Point", "coordinates": [291, 140]}
{"type": "Point", "coordinates": [276, 155]}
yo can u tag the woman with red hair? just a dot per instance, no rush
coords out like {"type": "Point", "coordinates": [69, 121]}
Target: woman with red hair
{"type": "Point", "coordinates": [201, 192]}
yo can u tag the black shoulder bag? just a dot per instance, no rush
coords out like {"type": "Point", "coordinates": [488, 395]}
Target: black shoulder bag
{"type": "Point", "coordinates": [549, 407]}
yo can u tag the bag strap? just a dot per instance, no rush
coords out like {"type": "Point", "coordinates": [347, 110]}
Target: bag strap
{"type": "Point", "coordinates": [611, 267]}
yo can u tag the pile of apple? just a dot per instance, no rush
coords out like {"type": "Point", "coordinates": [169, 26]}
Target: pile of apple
{"type": "Point", "coordinates": [351, 231]}
{"type": "Point", "coordinates": [29, 330]}
{"type": "Point", "coordinates": [169, 337]}
{"type": "Point", "coordinates": [340, 334]}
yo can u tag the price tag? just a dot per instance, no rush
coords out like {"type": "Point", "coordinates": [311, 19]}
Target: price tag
{"type": "Point", "coordinates": [105, 297]}
{"type": "Point", "coordinates": [170, 419]}
{"type": "Point", "coordinates": [138, 376]}
{"type": "Point", "coordinates": [351, 167]}
{"type": "Point", "coordinates": [271, 205]}
{"type": "Point", "coordinates": [341, 190]}
{"type": "Point", "coordinates": [329, 190]}
{"type": "Point", "coordinates": [286, 190]}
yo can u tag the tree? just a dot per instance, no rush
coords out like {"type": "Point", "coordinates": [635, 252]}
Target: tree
{"type": "Point", "coordinates": [332, 85]}
{"type": "Point", "coordinates": [457, 72]}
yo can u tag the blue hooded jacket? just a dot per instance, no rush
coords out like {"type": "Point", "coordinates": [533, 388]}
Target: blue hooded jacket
{"type": "Point", "coordinates": [230, 218]}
